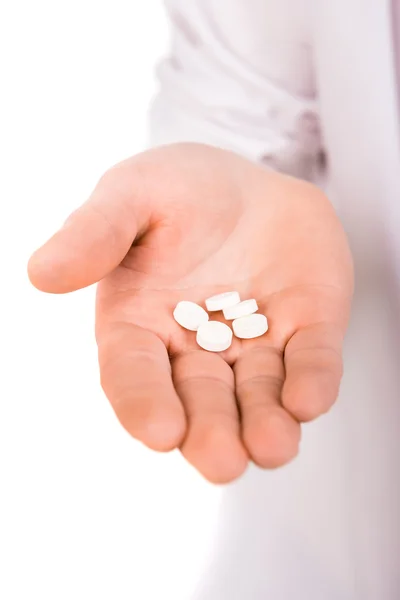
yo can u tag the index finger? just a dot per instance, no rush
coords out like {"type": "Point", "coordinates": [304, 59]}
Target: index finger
{"type": "Point", "coordinates": [136, 377]}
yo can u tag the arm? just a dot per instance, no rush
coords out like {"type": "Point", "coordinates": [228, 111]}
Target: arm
{"type": "Point", "coordinates": [186, 221]}
{"type": "Point", "coordinates": [239, 76]}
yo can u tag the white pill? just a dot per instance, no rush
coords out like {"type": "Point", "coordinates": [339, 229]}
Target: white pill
{"type": "Point", "coordinates": [251, 326]}
{"type": "Point", "coordinates": [221, 301]}
{"type": "Point", "coordinates": [247, 307]}
{"type": "Point", "coordinates": [190, 315]}
{"type": "Point", "coordinates": [214, 336]}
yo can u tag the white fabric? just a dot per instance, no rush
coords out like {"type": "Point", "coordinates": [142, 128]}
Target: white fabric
{"type": "Point", "coordinates": [288, 82]}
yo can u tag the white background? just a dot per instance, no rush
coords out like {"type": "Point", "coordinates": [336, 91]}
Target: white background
{"type": "Point", "coordinates": [85, 512]}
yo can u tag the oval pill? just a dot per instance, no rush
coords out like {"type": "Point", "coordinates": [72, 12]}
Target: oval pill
{"type": "Point", "coordinates": [214, 336]}
{"type": "Point", "coordinates": [250, 327]}
{"type": "Point", "coordinates": [247, 307]}
{"type": "Point", "coordinates": [190, 315]}
{"type": "Point", "coordinates": [221, 301]}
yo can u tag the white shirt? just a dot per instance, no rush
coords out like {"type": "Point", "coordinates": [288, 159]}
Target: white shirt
{"type": "Point", "coordinates": [310, 87]}
{"type": "Point", "coordinates": [283, 81]}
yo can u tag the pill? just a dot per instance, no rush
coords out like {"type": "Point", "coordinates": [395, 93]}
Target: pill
{"type": "Point", "coordinates": [221, 301]}
{"type": "Point", "coordinates": [247, 307]}
{"type": "Point", "coordinates": [190, 315]}
{"type": "Point", "coordinates": [214, 336]}
{"type": "Point", "coordinates": [251, 326]}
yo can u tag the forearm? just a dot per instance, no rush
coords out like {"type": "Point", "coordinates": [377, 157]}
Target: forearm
{"type": "Point", "coordinates": [209, 95]}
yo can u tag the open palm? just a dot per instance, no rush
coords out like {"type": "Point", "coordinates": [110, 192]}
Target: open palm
{"type": "Point", "coordinates": [184, 222]}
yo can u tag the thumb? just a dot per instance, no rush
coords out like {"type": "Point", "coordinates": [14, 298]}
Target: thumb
{"type": "Point", "coordinates": [95, 238]}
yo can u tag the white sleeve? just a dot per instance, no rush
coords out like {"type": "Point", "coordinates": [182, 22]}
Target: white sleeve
{"type": "Point", "coordinates": [239, 76]}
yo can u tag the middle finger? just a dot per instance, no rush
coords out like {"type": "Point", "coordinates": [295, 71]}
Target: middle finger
{"type": "Point", "coordinates": [205, 384]}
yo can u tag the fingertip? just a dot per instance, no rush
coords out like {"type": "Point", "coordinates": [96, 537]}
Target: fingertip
{"type": "Point", "coordinates": [43, 273]}
{"type": "Point", "coordinates": [34, 271]}
{"type": "Point", "coordinates": [59, 268]}
{"type": "Point", "coordinates": [164, 436]}
{"type": "Point", "coordinates": [161, 435]}
{"type": "Point", "coordinates": [216, 453]}
{"type": "Point", "coordinates": [273, 438]}
{"type": "Point", "coordinates": [309, 398]}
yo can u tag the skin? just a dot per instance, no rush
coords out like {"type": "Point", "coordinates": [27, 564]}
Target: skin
{"type": "Point", "coordinates": [187, 221]}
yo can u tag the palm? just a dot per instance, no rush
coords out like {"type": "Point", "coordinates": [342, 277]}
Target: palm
{"type": "Point", "coordinates": [218, 223]}
{"type": "Point", "coordinates": [286, 250]}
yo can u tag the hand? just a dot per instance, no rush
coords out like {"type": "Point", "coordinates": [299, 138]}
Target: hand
{"type": "Point", "coordinates": [185, 222]}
